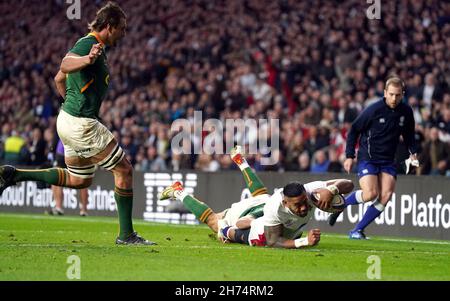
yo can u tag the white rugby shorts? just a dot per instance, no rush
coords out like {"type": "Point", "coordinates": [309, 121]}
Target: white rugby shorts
{"type": "Point", "coordinates": [85, 138]}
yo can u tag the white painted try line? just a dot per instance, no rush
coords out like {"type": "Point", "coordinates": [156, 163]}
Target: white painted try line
{"type": "Point", "coordinates": [436, 242]}
{"type": "Point", "coordinates": [93, 220]}
{"type": "Point", "coordinates": [417, 241]}
{"type": "Point", "coordinates": [232, 247]}
{"type": "Point", "coordinates": [140, 222]}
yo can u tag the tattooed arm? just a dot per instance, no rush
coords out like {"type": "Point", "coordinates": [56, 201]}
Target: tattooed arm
{"type": "Point", "coordinates": [275, 239]}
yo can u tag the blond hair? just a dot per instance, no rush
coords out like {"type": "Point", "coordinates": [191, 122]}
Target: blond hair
{"type": "Point", "coordinates": [395, 81]}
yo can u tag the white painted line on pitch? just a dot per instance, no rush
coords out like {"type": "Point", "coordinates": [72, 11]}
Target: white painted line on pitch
{"type": "Point", "coordinates": [231, 247]}
{"type": "Point", "coordinates": [417, 241]}
{"type": "Point", "coordinates": [437, 242]}
{"type": "Point", "coordinates": [236, 247]}
{"type": "Point", "coordinates": [93, 220]}
{"type": "Point", "coordinates": [57, 245]}
{"type": "Point", "coordinates": [145, 223]}
{"type": "Point", "coordinates": [34, 231]}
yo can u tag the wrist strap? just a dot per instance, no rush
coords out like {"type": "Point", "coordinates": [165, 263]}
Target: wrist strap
{"type": "Point", "coordinates": [301, 242]}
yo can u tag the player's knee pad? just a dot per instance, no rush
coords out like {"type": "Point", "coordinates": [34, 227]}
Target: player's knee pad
{"type": "Point", "coordinates": [111, 160]}
{"type": "Point", "coordinates": [84, 172]}
{"type": "Point", "coordinates": [241, 236]}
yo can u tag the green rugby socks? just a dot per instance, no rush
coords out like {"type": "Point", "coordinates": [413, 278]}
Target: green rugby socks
{"type": "Point", "coordinates": [198, 208]}
{"type": "Point", "coordinates": [53, 176]}
{"type": "Point", "coordinates": [124, 201]}
{"type": "Point", "coordinates": [254, 183]}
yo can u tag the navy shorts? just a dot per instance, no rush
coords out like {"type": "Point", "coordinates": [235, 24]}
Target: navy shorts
{"type": "Point", "coordinates": [376, 167]}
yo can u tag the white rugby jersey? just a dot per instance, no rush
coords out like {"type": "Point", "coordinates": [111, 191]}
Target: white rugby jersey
{"type": "Point", "coordinates": [275, 214]}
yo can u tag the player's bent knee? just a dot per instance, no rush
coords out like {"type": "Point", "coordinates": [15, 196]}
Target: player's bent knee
{"type": "Point", "coordinates": [127, 170]}
{"type": "Point", "coordinates": [369, 195]}
{"type": "Point", "coordinates": [123, 176]}
{"type": "Point", "coordinates": [80, 176]}
{"type": "Point", "coordinates": [123, 169]}
{"type": "Point", "coordinates": [386, 196]}
{"type": "Point", "coordinates": [79, 183]}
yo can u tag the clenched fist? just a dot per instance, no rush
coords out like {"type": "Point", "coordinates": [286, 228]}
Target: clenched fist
{"type": "Point", "coordinates": [95, 52]}
{"type": "Point", "coordinates": [313, 237]}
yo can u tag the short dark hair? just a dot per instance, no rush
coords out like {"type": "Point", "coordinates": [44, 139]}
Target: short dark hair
{"type": "Point", "coordinates": [110, 14]}
{"type": "Point", "coordinates": [293, 189]}
{"type": "Point", "coordinates": [395, 81]}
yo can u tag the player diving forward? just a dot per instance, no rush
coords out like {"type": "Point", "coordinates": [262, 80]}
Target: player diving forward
{"type": "Point", "coordinates": [274, 220]}
{"type": "Point", "coordinates": [239, 215]}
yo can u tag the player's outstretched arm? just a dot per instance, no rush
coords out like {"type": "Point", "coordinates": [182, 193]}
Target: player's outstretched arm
{"type": "Point", "coordinates": [72, 62]}
{"type": "Point", "coordinates": [276, 240]}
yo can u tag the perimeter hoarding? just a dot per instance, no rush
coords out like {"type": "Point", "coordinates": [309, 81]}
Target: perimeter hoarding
{"type": "Point", "coordinates": [420, 206]}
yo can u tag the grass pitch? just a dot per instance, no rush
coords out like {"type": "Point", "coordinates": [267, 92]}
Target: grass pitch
{"type": "Point", "coordinates": [36, 247]}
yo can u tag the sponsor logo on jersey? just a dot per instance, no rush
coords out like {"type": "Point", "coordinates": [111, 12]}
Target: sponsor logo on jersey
{"type": "Point", "coordinates": [382, 120]}
{"type": "Point", "coordinates": [83, 151]}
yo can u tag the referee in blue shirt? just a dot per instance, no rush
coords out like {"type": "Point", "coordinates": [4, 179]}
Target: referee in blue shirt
{"type": "Point", "coordinates": [378, 128]}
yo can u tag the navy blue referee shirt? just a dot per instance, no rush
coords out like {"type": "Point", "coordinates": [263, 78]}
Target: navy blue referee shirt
{"type": "Point", "coordinates": [379, 128]}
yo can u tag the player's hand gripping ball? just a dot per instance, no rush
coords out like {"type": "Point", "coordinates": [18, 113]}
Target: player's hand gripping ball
{"type": "Point", "coordinates": [325, 200]}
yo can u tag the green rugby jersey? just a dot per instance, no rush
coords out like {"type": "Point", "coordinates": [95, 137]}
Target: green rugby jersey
{"type": "Point", "coordinates": [86, 89]}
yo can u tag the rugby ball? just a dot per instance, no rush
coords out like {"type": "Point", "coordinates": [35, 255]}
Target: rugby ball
{"type": "Point", "coordinates": [337, 201]}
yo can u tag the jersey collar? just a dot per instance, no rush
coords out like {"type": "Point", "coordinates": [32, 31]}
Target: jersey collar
{"type": "Point", "coordinates": [97, 37]}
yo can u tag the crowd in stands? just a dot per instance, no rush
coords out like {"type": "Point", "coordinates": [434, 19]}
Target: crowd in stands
{"type": "Point", "coordinates": [313, 65]}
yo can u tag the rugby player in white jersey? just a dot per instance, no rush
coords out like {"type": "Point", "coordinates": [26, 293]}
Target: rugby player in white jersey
{"type": "Point", "coordinates": [276, 221]}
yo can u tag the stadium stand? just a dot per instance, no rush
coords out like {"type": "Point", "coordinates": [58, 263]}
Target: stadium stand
{"type": "Point", "coordinates": [314, 65]}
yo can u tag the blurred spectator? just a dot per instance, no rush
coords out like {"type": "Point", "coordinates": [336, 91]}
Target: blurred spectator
{"type": "Point", "coordinates": [15, 149]}
{"type": "Point", "coordinates": [320, 163]}
{"type": "Point", "coordinates": [129, 147]}
{"type": "Point", "coordinates": [304, 162]}
{"type": "Point", "coordinates": [181, 162]}
{"type": "Point", "coordinates": [231, 60]}
{"type": "Point", "coordinates": [150, 161]}
{"type": "Point", "coordinates": [206, 162]}
{"type": "Point", "coordinates": [435, 155]}
{"type": "Point", "coordinates": [430, 92]}
{"type": "Point", "coordinates": [294, 148]}
{"type": "Point", "coordinates": [37, 148]}
{"type": "Point", "coordinates": [316, 140]}
{"type": "Point", "coordinates": [335, 165]}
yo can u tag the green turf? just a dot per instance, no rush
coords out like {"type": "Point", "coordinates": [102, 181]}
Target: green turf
{"type": "Point", "coordinates": [36, 247]}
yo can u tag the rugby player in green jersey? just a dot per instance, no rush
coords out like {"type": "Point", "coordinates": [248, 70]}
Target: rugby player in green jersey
{"type": "Point", "coordinates": [83, 82]}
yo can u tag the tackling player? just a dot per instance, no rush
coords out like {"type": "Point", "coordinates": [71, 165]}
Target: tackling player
{"type": "Point", "coordinates": [379, 128]}
{"type": "Point", "coordinates": [274, 220]}
{"type": "Point", "coordinates": [239, 215]}
{"type": "Point", "coordinates": [83, 80]}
